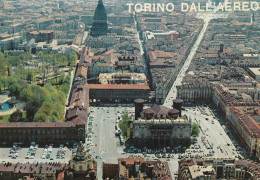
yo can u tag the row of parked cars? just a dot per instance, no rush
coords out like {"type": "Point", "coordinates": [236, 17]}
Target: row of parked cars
{"type": "Point", "coordinates": [47, 152]}
{"type": "Point", "coordinates": [14, 151]}
{"type": "Point", "coordinates": [61, 152]}
{"type": "Point", "coordinates": [32, 151]}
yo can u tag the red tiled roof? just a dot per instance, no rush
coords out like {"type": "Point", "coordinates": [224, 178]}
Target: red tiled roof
{"type": "Point", "coordinates": [130, 161]}
{"type": "Point", "coordinates": [153, 55]}
{"type": "Point", "coordinates": [42, 168]}
{"type": "Point", "coordinates": [117, 86]}
{"type": "Point", "coordinates": [80, 97]}
{"type": "Point", "coordinates": [247, 121]}
{"type": "Point", "coordinates": [82, 71]}
{"type": "Point", "coordinates": [72, 123]}
{"type": "Point", "coordinates": [60, 176]}
{"type": "Point", "coordinates": [76, 112]}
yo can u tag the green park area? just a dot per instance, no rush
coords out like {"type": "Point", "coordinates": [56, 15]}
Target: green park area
{"type": "Point", "coordinates": [41, 82]}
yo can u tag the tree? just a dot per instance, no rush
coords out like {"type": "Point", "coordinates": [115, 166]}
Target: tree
{"type": "Point", "coordinates": [15, 90]}
{"type": "Point", "coordinates": [2, 66]}
{"type": "Point", "coordinates": [4, 82]}
{"type": "Point", "coordinates": [31, 108]}
{"type": "Point", "coordinates": [195, 129]}
{"type": "Point", "coordinates": [1, 86]}
{"type": "Point", "coordinates": [60, 109]}
{"type": "Point", "coordinates": [14, 60]}
{"type": "Point", "coordinates": [10, 81]}
{"type": "Point", "coordinates": [16, 116]}
{"type": "Point", "coordinates": [63, 60]}
{"type": "Point", "coordinates": [40, 117]}
{"type": "Point", "coordinates": [10, 70]}
{"type": "Point", "coordinates": [29, 76]}
{"type": "Point", "coordinates": [73, 59]}
{"type": "Point", "coordinates": [50, 88]}
{"type": "Point", "coordinates": [1, 56]}
{"type": "Point", "coordinates": [60, 97]}
{"type": "Point", "coordinates": [62, 77]}
{"type": "Point", "coordinates": [39, 93]}
{"type": "Point", "coordinates": [26, 95]}
{"type": "Point", "coordinates": [65, 88]}
{"type": "Point", "coordinates": [54, 119]}
{"type": "Point", "coordinates": [124, 125]}
{"type": "Point", "coordinates": [46, 108]}
{"type": "Point", "coordinates": [40, 54]}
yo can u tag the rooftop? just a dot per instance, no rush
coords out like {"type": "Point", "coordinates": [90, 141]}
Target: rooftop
{"type": "Point", "coordinates": [256, 71]}
{"type": "Point", "coordinates": [38, 168]}
{"type": "Point", "coordinates": [247, 121]}
{"type": "Point", "coordinates": [118, 86]}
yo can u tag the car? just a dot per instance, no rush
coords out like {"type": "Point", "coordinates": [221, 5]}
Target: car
{"type": "Point", "coordinates": [51, 159]}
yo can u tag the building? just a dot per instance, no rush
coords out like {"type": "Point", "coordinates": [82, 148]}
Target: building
{"type": "Point", "coordinates": [81, 166]}
{"type": "Point", "coordinates": [43, 23]}
{"type": "Point", "coordinates": [100, 26]}
{"type": "Point", "coordinates": [168, 36]}
{"type": "Point", "coordinates": [43, 132]}
{"type": "Point", "coordinates": [255, 73]}
{"type": "Point", "coordinates": [195, 91]}
{"type": "Point", "coordinates": [110, 62]}
{"type": "Point", "coordinates": [41, 36]}
{"type": "Point", "coordinates": [100, 64]}
{"type": "Point", "coordinates": [51, 170]}
{"type": "Point", "coordinates": [160, 126]}
{"type": "Point", "coordinates": [246, 129]}
{"type": "Point", "coordinates": [122, 78]}
{"type": "Point", "coordinates": [137, 168]}
{"type": "Point", "coordinates": [218, 168]}
{"type": "Point", "coordinates": [162, 59]}
{"type": "Point", "coordinates": [10, 43]}
{"type": "Point", "coordinates": [117, 92]}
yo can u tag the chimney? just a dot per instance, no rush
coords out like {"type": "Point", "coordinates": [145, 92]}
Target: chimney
{"type": "Point", "coordinates": [139, 104]}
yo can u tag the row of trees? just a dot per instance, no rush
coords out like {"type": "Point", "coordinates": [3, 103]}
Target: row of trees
{"type": "Point", "coordinates": [58, 59]}
{"type": "Point", "coordinates": [8, 63]}
{"type": "Point", "coordinates": [124, 125]}
{"type": "Point", "coordinates": [195, 129]}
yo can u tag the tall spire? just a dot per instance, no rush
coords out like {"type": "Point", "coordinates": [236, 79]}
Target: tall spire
{"type": "Point", "coordinates": [99, 26]}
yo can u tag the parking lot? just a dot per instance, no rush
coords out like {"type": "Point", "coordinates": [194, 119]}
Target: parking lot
{"type": "Point", "coordinates": [34, 153]}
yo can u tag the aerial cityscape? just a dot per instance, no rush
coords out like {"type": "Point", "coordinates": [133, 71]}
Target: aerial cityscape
{"type": "Point", "coordinates": [129, 90]}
